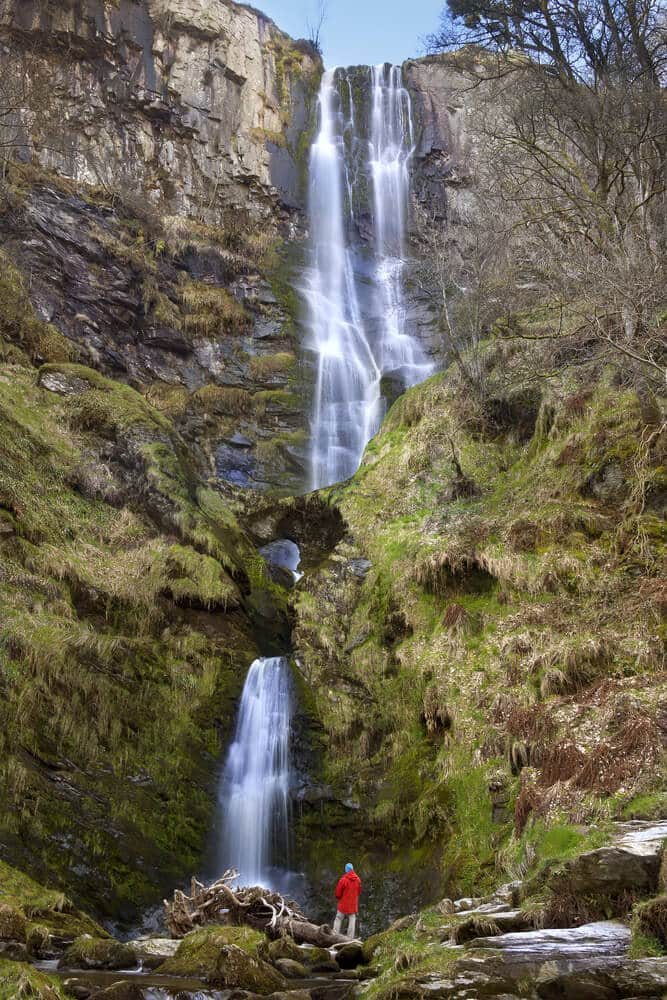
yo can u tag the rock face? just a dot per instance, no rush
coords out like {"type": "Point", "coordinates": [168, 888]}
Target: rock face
{"type": "Point", "coordinates": [198, 106]}
{"type": "Point", "coordinates": [445, 107]}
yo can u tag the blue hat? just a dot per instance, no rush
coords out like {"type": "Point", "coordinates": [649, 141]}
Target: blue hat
{"type": "Point", "coordinates": [349, 867]}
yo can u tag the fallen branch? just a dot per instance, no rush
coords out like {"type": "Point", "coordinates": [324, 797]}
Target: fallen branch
{"type": "Point", "coordinates": [255, 906]}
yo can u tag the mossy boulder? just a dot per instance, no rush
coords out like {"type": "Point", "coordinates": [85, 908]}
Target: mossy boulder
{"type": "Point", "coordinates": [13, 924]}
{"type": "Point", "coordinates": [98, 953]}
{"type": "Point", "coordinates": [286, 947]}
{"type": "Point", "coordinates": [651, 918]}
{"type": "Point", "coordinates": [313, 956]}
{"type": "Point", "coordinates": [236, 969]}
{"type": "Point", "coordinates": [350, 955]}
{"type": "Point", "coordinates": [199, 951]}
{"type": "Point", "coordinates": [291, 969]}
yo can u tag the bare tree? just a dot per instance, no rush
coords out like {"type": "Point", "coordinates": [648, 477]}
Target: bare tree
{"type": "Point", "coordinates": [315, 26]}
{"type": "Point", "coordinates": [573, 165]}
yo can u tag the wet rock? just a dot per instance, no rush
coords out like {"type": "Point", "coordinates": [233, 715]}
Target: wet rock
{"type": "Point", "coordinates": [350, 955]}
{"type": "Point", "coordinates": [13, 951]}
{"type": "Point", "coordinates": [360, 568]}
{"type": "Point", "coordinates": [603, 938]}
{"type": "Point", "coordinates": [286, 947]}
{"type": "Point", "coordinates": [77, 988]}
{"type": "Point", "coordinates": [236, 969]}
{"type": "Point", "coordinates": [121, 991]}
{"type": "Point", "coordinates": [646, 977]}
{"type": "Point", "coordinates": [644, 838]}
{"type": "Point", "coordinates": [152, 952]}
{"type": "Point", "coordinates": [98, 953]}
{"type": "Point", "coordinates": [324, 967]}
{"type": "Point", "coordinates": [290, 968]}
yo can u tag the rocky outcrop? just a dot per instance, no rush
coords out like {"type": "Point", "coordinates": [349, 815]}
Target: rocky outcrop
{"type": "Point", "coordinates": [446, 108]}
{"type": "Point", "coordinates": [197, 106]}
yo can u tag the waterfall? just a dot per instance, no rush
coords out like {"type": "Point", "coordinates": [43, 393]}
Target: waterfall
{"type": "Point", "coordinates": [358, 338]}
{"type": "Point", "coordinates": [254, 792]}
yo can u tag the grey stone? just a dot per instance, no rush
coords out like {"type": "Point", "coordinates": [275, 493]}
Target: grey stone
{"type": "Point", "coordinates": [62, 383]}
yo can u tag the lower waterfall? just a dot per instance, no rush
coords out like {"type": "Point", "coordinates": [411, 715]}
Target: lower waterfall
{"type": "Point", "coordinates": [254, 790]}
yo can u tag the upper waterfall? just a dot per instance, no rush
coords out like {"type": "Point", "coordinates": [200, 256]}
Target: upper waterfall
{"type": "Point", "coordinates": [356, 309]}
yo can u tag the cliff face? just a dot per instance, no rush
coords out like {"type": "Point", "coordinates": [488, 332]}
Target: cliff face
{"type": "Point", "coordinates": [160, 151]}
{"type": "Point", "coordinates": [445, 108]}
{"type": "Point", "coordinates": [199, 106]}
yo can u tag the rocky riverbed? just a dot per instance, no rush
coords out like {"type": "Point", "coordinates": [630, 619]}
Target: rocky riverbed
{"type": "Point", "coordinates": [497, 945]}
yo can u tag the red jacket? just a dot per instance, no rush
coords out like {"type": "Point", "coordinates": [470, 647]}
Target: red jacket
{"type": "Point", "coordinates": [348, 891]}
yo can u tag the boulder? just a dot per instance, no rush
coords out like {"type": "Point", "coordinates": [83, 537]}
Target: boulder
{"type": "Point", "coordinates": [312, 956]}
{"type": "Point", "coordinates": [286, 947]}
{"type": "Point", "coordinates": [98, 953]}
{"type": "Point", "coordinates": [77, 988]}
{"type": "Point", "coordinates": [63, 383]}
{"type": "Point", "coordinates": [152, 952]}
{"type": "Point", "coordinates": [236, 969]}
{"type": "Point", "coordinates": [645, 977]}
{"type": "Point", "coordinates": [349, 956]}
{"type": "Point", "coordinates": [607, 871]}
{"type": "Point", "coordinates": [13, 951]}
{"type": "Point", "coordinates": [288, 967]}
{"type": "Point", "coordinates": [197, 954]}
{"type": "Point", "coordinates": [121, 991]}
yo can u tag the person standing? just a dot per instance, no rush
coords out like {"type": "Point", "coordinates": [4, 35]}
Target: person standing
{"type": "Point", "coordinates": [348, 891]}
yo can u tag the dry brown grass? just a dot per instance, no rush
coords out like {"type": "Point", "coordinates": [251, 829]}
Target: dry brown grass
{"type": "Point", "coordinates": [637, 748]}
{"type": "Point", "coordinates": [560, 763]}
{"type": "Point", "coordinates": [222, 400]}
{"type": "Point", "coordinates": [211, 310]}
{"type": "Point", "coordinates": [436, 716]}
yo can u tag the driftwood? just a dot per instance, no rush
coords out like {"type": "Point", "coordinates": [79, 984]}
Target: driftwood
{"type": "Point", "coordinates": [257, 907]}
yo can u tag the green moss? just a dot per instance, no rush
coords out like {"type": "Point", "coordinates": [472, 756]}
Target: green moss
{"type": "Point", "coordinates": [20, 980]}
{"type": "Point", "coordinates": [88, 952]}
{"type": "Point", "coordinates": [198, 952]}
{"type": "Point", "coordinates": [267, 365]}
{"type": "Point", "coordinates": [443, 673]}
{"type": "Point", "coordinates": [103, 676]}
{"type": "Point", "coordinates": [53, 910]}
{"type": "Point", "coordinates": [652, 805]}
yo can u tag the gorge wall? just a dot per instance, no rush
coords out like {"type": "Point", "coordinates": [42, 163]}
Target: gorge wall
{"type": "Point", "coordinates": [196, 106]}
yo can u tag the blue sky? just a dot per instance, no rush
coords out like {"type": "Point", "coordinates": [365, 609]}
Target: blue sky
{"type": "Point", "coordinates": [360, 31]}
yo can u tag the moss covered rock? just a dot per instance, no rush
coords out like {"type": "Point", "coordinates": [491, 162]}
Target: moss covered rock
{"type": "Point", "coordinates": [651, 919]}
{"type": "Point", "coordinates": [98, 953]}
{"type": "Point", "coordinates": [198, 952]}
{"type": "Point", "coordinates": [286, 947]}
{"type": "Point", "coordinates": [290, 969]}
{"type": "Point", "coordinates": [13, 924]}
{"type": "Point", "coordinates": [236, 969]}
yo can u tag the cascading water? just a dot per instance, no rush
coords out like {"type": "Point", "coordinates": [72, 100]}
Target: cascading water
{"type": "Point", "coordinates": [356, 338]}
{"type": "Point", "coordinates": [254, 792]}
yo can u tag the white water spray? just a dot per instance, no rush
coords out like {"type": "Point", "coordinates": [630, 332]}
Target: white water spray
{"type": "Point", "coordinates": [355, 347]}
{"type": "Point", "coordinates": [255, 786]}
